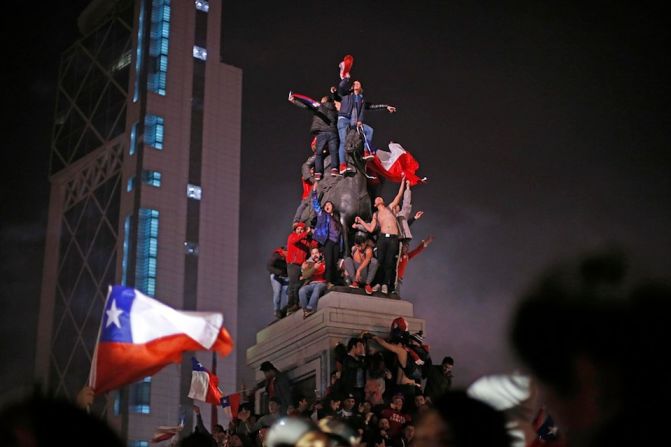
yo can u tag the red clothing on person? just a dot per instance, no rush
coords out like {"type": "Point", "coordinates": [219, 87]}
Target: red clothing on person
{"type": "Point", "coordinates": [403, 262]}
{"type": "Point", "coordinates": [318, 273]}
{"type": "Point", "coordinates": [396, 421]}
{"type": "Point", "coordinates": [297, 248]}
{"type": "Point", "coordinates": [307, 189]}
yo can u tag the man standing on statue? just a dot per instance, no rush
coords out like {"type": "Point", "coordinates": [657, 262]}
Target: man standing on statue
{"type": "Point", "coordinates": [388, 237]}
{"type": "Point", "coordinates": [351, 114]}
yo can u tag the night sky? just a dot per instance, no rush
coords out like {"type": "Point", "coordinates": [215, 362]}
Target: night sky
{"type": "Point", "coordinates": [543, 130]}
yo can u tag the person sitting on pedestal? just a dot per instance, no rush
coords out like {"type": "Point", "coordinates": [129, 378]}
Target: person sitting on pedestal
{"type": "Point", "coordinates": [312, 272]}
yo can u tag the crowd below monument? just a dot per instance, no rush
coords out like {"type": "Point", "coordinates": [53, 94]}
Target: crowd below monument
{"type": "Point", "coordinates": [590, 338]}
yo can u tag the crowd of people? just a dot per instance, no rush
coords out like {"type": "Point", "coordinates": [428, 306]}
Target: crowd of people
{"type": "Point", "coordinates": [378, 390]}
{"type": "Point", "coordinates": [315, 258]}
{"type": "Point", "coordinates": [591, 342]}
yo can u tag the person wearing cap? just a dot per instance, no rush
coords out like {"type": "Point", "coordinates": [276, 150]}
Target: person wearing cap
{"type": "Point", "coordinates": [277, 386]}
{"type": "Point", "coordinates": [404, 362]}
{"type": "Point", "coordinates": [348, 407]}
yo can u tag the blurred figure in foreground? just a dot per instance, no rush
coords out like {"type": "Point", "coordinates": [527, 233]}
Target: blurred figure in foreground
{"type": "Point", "coordinates": [458, 420]}
{"type": "Point", "coordinates": [578, 331]}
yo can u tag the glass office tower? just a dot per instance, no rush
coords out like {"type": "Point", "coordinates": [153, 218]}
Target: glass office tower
{"type": "Point", "coordinates": [145, 174]}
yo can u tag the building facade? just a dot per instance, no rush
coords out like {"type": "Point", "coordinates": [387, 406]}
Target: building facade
{"type": "Point", "coordinates": [145, 178]}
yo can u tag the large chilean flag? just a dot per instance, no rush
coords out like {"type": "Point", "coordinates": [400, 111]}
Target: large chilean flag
{"type": "Point", "coordinates": [140, 335]}
{"type": "Point", "coordinates": [394, 164]}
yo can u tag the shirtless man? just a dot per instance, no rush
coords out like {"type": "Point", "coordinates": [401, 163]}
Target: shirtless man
{"type": "Point", "coordinates": [404, 385]}
{"type": "Point", "coordinates": [388, 237]}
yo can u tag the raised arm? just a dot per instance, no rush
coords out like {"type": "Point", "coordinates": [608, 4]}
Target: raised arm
{"type": "Point", "coordinates": [315, 200]}
{"type": "Point", "coordinates": [387, 107]}
{"type": "Point", "coordinates": [406, 208]}
{"type": "Point", "coordinates": [344, 87]}
{"type": "Point", "coordinates": [369, 226]}
{"type": "Point", "coordinates": [397, 199]}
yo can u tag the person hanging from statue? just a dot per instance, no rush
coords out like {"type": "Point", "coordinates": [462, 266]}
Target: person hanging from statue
{"type": "Point", "coordinates": [323, 129]}
{"type": "Point", "coordinates": [387, 238]}
{"type": "Point", "coordinates": [352, 113]}
{"type": "Point", "coordinates": [328, 232]}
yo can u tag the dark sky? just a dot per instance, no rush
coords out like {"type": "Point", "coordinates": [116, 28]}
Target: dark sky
{"type": "Point", "coordinates": [543, 129]}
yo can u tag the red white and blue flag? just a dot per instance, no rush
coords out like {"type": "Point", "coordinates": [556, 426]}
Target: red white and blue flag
{"type": "Point", "coordinates": [204, 384]}
{"type": "Point", "coordinates": [231, 404]}
{"type": "Point", "coordinates": [393, 164]}
{"type": "Point", "coordinates": [303, 101]}
{"type": "Point", "coordinates": [140, 335]}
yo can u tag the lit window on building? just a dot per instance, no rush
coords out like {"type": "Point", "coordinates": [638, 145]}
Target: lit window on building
{"type": "Point", "coordinates": [126, 248]}
{"type": "Point", "coordinates": [139, 54]}
{"type": "Point", "coordinates": [132, 146]}
{"type": "Point", "coordinates": [147, 251]}
{"type": "Point", "coordinates": [202, 5]}
{"type": "Point", "coordinates": [193, 191]}
{"type": "Point", "coordinates": [154, 129]}
{"type": "Point", "coordinates": [152, 178]}
{"type": "Point", "coordinates": [200, 53]}
{"type": "Point", "coordinates": [158, 46]}
{"type": "Point", "coordinates": [139, 397]}
{"type": "Point", "coordinates": [191, 248]}
{"type": "Point", "coordinates": [131, 184]}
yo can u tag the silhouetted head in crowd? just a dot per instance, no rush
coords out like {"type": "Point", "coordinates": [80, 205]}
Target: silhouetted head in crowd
{"type": "Point", "coordinates": [458, 420]}
{"type": "Point", "coordinates": [47, 421]}
{"type": "Point", "coordinates": [198, 439]}
{"type": "Point", "coordinates": [573, 331]}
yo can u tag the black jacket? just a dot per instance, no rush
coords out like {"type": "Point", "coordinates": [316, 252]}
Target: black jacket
{"type": "Point", "coordinates": [277, 264]}
{"type": "Point", "coordinates": [325, 118]}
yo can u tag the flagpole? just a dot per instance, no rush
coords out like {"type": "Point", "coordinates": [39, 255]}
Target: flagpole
{"type": "Point", "coordinates": [213, 418]}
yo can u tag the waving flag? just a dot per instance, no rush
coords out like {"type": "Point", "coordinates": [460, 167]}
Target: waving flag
{"type": "Point", "coordinates": [204, 384]}
{"type": "Point", "coordinates": [303, 101]}
{"type": "Point", "coordinates": [393, 164]}
{"type": "Point", "coordinates": [140, 335]}
{"type": "Point", "coordinates": [163, 433]}
{"type": "Point", "coordinates": [231, 404]}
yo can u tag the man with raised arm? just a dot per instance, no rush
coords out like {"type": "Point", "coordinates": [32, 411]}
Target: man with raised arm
{"type": "Point", "coordinates": [388, 237]}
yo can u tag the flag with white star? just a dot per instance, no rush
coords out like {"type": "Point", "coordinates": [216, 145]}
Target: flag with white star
{"type": "Point", "coordinates": [140, 335]}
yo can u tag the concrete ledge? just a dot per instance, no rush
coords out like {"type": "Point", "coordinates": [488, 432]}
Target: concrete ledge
{"type": "Point", "coordinates": [292, 342]}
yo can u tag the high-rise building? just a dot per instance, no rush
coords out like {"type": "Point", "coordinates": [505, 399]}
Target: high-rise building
{"type": "Point", "coordinates": [145, 174]}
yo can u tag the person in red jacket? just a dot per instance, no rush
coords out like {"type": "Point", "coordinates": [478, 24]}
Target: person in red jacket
{"type": "Point", "coordinates": [298, 248]}
{"type": "Point", "coordinates": [407, 256]}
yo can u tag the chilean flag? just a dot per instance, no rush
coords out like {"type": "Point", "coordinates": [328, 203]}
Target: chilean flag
{"type": "Point", "coordinates": [140, 335]}
{"type": "Point", "coordinates": [231, 404]}
{"type": "Point", "coordinates": [393, 164]}
{"type": "Point", "coordinates": [204, 384]}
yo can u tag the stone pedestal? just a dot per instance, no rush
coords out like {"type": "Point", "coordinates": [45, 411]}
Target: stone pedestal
{"type": "Point", "coordinates": [304, 347]}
